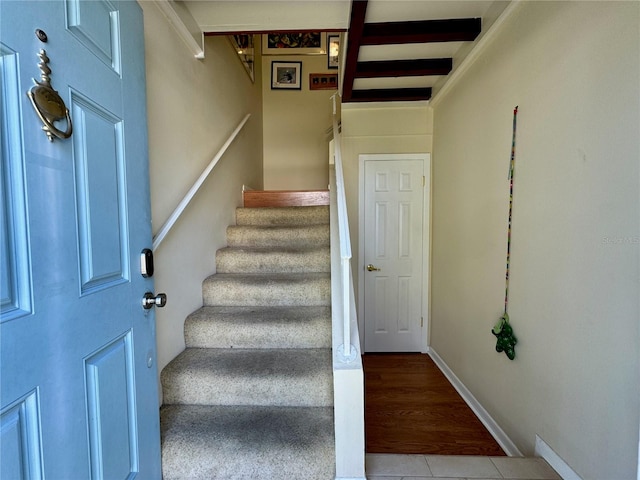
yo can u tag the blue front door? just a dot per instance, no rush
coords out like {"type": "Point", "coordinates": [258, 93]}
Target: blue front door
{"type": "Point", "coordinates": [78, 378]}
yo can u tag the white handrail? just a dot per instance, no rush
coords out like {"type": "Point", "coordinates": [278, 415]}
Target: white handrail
{"type": "Point", "coordinates": [345, 238]}
{"type": "Point", "coordinates": [164, 230]}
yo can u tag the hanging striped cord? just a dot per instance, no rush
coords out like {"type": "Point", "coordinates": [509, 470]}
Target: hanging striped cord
{"type": "Point", "coordinates": [511, 175]}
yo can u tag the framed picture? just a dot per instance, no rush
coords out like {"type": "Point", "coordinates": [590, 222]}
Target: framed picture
{"type": "Point", "coordinates": [291, 43]}
{"type": "Point", "coordinates": [323, 81]}
{"type": "Point", "coordinates": [333, 50]}
{"type": "Point", "coordinates": [244, 47]}
{"type": "Point", "coordinates": [286, 75]}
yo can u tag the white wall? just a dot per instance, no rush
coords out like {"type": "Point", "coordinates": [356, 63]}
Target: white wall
{"type": "Point", "coordinates": [296, 142]}
{"type": "Point", "coordinates": [573, 69]}
{"type": "Point", "coordinates": [266, 15]}
{"type": "Point", "coordinates": [394, 127]}
{"type": "Point", "coordinates": [193, 106]}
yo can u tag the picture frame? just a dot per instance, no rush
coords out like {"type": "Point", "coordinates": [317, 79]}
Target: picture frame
{"type": "Point", "coordinates": [286, 75]}
{"type": "Point", "coordinates": [294, 43]}
{"type": "Point", "coordinates": [244, 46]}
{"type": "Point", "coordinates": [333, 50]}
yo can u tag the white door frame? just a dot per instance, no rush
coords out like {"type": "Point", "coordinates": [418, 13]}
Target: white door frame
{"type": "Point", "coordinates": [426, 239]}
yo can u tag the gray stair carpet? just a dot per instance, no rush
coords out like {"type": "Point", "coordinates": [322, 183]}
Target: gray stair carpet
{"type": "Point", "coordinates": [251, 397]}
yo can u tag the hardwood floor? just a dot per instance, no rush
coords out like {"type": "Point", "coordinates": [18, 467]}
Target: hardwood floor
{"type": "Point", "coordinates": [410, 407]}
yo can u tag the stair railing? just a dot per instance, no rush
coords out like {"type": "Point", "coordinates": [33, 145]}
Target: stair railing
{"type": "Point", "coordinates": [173, 218]}
{"type": "Point", "coordinates": [347, 350]}
{"type": "Point", "coordinates": [348, 377]}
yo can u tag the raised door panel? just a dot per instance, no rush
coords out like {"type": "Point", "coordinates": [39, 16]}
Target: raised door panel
{"type": "Point", "coordinates": [15, 270]}
{"type": "Point", "coordinates": [21, 439]}
{"type": "Point", "coordinates": [96, 25]}
{"type": "Point", "coordinates": [100, 196]}
{"type": "Point", "coordinates": [111, 408]}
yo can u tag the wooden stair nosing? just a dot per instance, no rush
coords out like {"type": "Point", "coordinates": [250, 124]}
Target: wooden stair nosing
{"type": "Point", "coordinates": [285, 198]}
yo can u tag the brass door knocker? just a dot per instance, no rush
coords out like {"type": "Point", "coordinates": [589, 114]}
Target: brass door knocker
{"type": "Point", "coordinates": [47, 102]}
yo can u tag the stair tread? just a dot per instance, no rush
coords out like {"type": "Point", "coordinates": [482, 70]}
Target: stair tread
{"type": "Point", "coordinates": [270, 235]}
{"type": "Point", "coordinates": [246, 442]}
{"type": "Point", "coordinates": [259, 327]}
{"type": "Point", "coordinates": [309, 215]}
{"type": "Point", "coordinates": [272, 259]}
{"type": "Point", "coordinates": [270, 289]}
{"type": "Point", "coordinates": [290, 377]}
{"type": "Point", "coordinates": [257, 363]}
{"type": "Point", "coordinates": [261, 314]}
{"type": "Point", "coordinates": [250, 250]}
{"type": "Point", "coordinates": [261, 278]}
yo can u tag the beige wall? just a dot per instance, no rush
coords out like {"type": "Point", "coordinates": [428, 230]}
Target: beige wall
{"type": "Point", "coordinates": [261, 15]}
{"type": "Point", "coordinates": [395, 127]}
{"type": "Point", "coordinates": [296, 142]}
{"type": "Point", "coordinates": [193, 106]}
{"type": "Point", "coordinates": [573, 69]}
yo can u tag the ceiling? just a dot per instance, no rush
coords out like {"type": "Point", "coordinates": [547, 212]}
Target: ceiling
{"type": "Point", "coordinates": [401, 50]}
{"type": "Point", "coordinates": [397, 50]}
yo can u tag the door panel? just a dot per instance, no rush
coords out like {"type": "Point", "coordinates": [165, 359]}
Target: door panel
{"type": "Point", "coordinates": [78, 380]}
{"type": "Point", "coordinates": [96, 25]}
{"type": "Point", "coordinates": [111, 405]}
{"type": "Point", "coordinates": [393, 245]}
{"type": "Point", "coordinates": [15, 272]}
{"type": "Point", "coordinates": [100, 200]}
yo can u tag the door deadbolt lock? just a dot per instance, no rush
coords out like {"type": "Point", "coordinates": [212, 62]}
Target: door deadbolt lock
{"type": "Point", "coordinates": [372, 268]}
{"type": "Point", "coordinates": [150, 300]}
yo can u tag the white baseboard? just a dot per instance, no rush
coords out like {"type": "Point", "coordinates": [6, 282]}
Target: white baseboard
{"type": "Point", "coordinates": [552, 458]}
{"type": "Point", "coordinates": [490, 424]}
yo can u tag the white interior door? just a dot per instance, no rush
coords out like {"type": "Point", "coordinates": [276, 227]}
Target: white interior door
{"type": "Point", "coordinates": [393, 259]}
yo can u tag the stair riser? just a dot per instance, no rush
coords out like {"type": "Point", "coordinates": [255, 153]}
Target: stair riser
{"type": "Point", "coordinates": [204, 390]}
{"type": "Point", "coordinates": [245, 443]}
{"type": "Point", "coordinates": [295, 237]}
{"type": "Point", "coordinates": [283, 216]}
{"type": "Point", "coordinates": [270, 291]}
{"type": "Point", "coordinates": [250, 377]}
{"type": "Point", "coordinates": [240, 261]}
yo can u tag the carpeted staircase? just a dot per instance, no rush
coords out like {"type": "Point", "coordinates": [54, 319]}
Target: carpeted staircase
{"type": "Point", "coordinates": [251, 397]}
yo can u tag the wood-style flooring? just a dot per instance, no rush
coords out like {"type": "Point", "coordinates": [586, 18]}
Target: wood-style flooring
{"type": "Point", "coordinates": [410, 407]}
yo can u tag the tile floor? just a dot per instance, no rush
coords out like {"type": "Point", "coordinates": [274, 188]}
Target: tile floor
{"type": "Point", "coordinates": [441, 467]}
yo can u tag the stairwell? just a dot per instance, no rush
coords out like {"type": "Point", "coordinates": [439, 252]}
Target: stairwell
{"type": "Point", "coordinates": [251, 397]}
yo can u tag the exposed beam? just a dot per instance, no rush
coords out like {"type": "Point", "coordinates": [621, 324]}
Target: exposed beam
{"type": "Point", "coordinates": [404, 68]}
{"type": "Point", "coordinates": [422, 31]}
{"type": "Point", "coordinates": [356, 27]}
{"type": "Point", "coordinates": [391, 95]}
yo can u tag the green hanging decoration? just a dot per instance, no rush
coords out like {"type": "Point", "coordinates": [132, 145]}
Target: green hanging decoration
{"type": "Point", "coordinates": [507, 341]}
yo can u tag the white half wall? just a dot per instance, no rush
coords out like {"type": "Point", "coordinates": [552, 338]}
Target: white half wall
{"type": "Point", "coordinates": [193, 106]}
{"type": "Point", "coordinates": [573, 68]}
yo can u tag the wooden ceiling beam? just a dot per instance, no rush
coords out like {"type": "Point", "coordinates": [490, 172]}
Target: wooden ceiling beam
{"type": "Point", "coordinates": [356, 27]}
{"type": "Point", "coordinates": [391, 95]}
{"type": "Point", "coordinates": [422, 31]}
{"type": "Point", "coordinates": [404, 68]}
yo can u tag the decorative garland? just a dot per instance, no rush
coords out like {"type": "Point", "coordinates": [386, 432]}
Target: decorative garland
{"type": "Point", "coordinates": [506, 339]}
